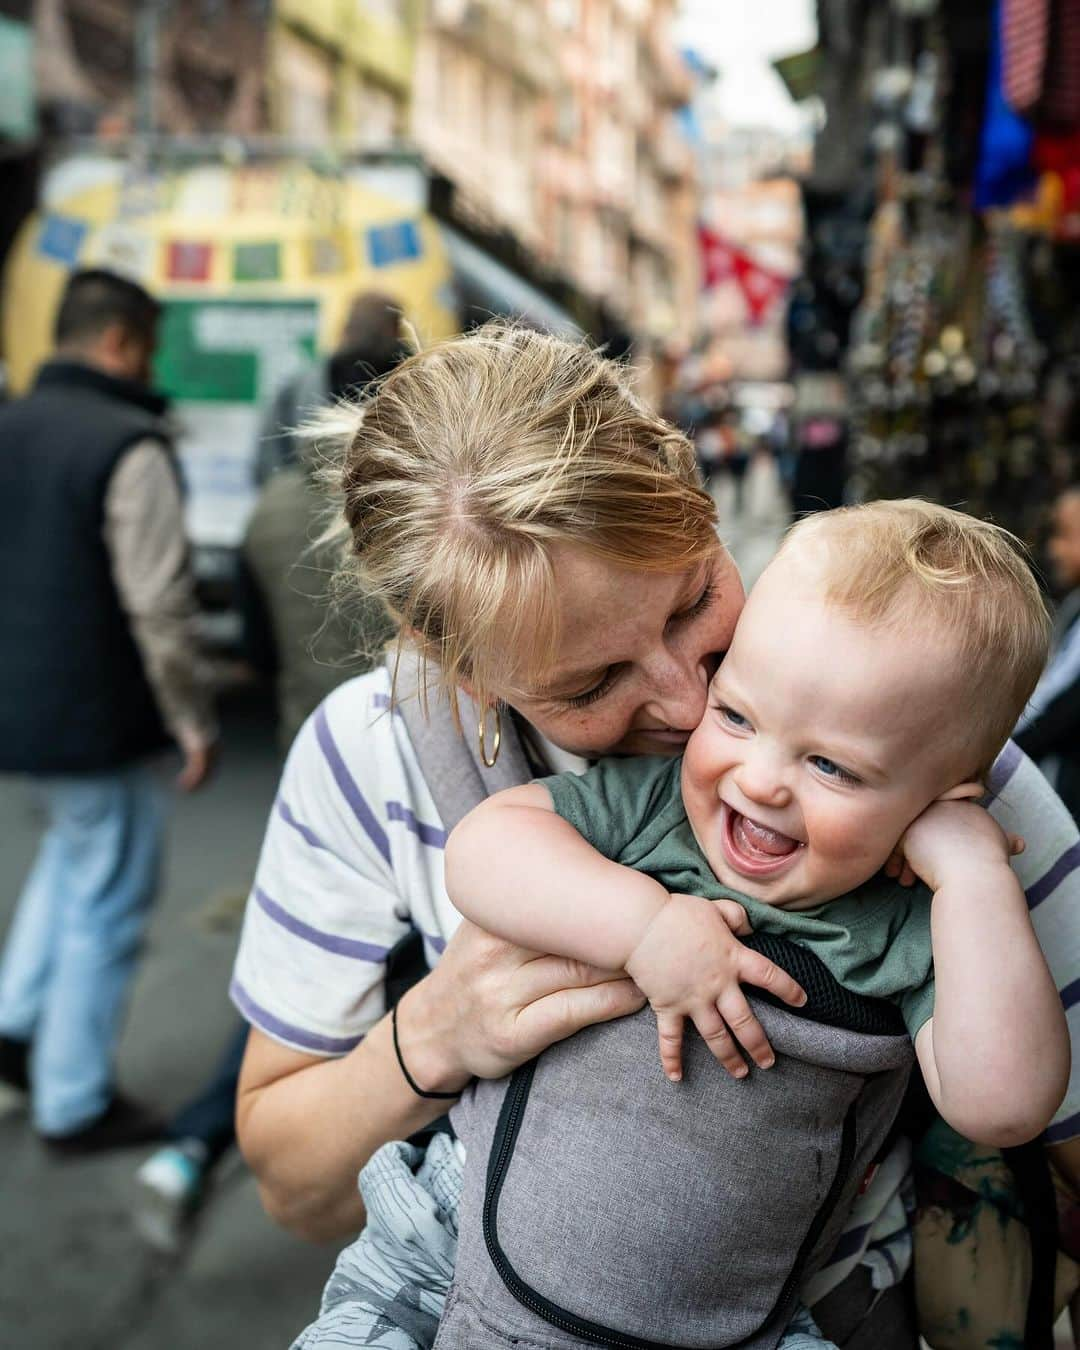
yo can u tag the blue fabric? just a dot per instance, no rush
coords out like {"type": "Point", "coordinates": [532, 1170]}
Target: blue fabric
{"type": "Point", "coordinates": [211, 1116]}
{"type": "Point", "coordinates": [71, 950]}
{"type": "Point", "coordinates": [1004, 174]}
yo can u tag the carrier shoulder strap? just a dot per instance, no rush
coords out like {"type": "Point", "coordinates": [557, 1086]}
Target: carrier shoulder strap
{"type": "Point", "coordinates": [450, 760]}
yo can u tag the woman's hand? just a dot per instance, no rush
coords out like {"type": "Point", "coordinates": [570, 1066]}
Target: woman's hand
{"type": "Point", "coordinates": [489, 1006]}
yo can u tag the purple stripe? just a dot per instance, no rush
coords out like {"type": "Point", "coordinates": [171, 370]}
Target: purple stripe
{"type": "Point", "coordinates": [274, 1026]}
{"type": "Point", "coordinates": [347, 784]}
{"type": "Point", "coordinates": [329, 942]}
{"type": "Point", "coordinates": [850, 1243]}
{"type": "Point", "coordinates": [1004, 767]}
{"type": "Point", "coordinates": [438, 943]}
{"type": "Point", "coordinates": [383, 702]}
{"type": "Point", "coordinates": [1063, 1129]}
{"type": "Point", "coordinates": [427, 834]}
{"type": "Point", "coordinates": [1070, 995]}
{"type": "Point", "coordinates": [285, 812]}
{"type": "Point", "coordinates": [1068, 862]}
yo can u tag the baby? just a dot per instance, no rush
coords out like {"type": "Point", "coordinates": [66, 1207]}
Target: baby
{"type": "Point", "coordinates": [875, 673]}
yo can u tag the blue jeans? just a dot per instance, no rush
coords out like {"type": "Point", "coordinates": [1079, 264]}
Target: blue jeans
{"type": "Point", "coordinates": [71, 949]}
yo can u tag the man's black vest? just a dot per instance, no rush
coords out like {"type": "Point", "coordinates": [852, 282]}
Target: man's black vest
{"type": "Point", "coordinates": [74, 696]}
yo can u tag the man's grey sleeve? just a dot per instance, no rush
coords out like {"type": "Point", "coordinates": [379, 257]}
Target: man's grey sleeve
{"type": "Point", "coordinates": [144, 534]}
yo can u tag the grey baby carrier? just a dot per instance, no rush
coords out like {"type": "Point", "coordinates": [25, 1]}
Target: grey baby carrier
{"type": "Point", "coordinates": [616, 1208]}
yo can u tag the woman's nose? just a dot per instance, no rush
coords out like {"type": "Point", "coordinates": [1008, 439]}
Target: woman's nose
{"type": "Point", "coordinates": [681, 686]}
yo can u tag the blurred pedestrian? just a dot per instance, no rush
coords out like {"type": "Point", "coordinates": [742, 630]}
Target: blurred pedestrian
{"type": "Point", "coordinates": [293, 636]}
{"type": "Point", "coordinates": [101, 670]}
{"type": "Point", "coordinates": [1049, 730]}
{"type": "Point", "coordinates": [370, 346]}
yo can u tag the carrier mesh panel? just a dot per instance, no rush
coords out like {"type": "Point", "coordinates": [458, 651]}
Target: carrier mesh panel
{"type": "Point", "coordinates": [827, 1001]}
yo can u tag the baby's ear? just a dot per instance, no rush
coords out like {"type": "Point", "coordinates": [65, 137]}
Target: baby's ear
{"type": "Point", "coordinates": [963, 792]}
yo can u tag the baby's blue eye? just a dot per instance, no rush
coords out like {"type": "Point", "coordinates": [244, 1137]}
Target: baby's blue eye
{"type": "Point", "coordinates": [731, 716]}
{"type": "Point", "coordinates": [829, 769]}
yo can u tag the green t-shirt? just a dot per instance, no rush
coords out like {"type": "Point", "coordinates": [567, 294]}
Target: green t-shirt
{"type": "Point", "coordinates": [875, 940]}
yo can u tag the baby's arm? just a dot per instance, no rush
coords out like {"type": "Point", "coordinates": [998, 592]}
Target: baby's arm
{"type": "Point", "coordinates": [522, 872]}
{"type": "Point", "coordinates": [995, 1054]}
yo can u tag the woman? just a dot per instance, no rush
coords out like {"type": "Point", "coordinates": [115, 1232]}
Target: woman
{"type": "Point", "coordinates": [544, 542]}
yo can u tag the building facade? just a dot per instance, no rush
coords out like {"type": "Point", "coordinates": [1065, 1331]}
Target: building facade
{"type": "Point", "coordinates": [616, 185]}
{"type": "Point", "coordinates": [185, 67]}
{"type": "Point", "coordinates": [341, 71]}
{"type": "Point", "coordinates": [485, 73]}
{"type": "Point", "coordinates": [553, 125]}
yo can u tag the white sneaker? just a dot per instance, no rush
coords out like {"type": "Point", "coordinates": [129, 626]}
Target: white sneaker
{"type": "Point", "coordinates": [169, 1187]}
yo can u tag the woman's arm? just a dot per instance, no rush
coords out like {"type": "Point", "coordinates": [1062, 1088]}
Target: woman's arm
{"type": "Point", "coordinates": [1049, 871]}
{"type": "Point", "coordinates": [307, 1125]}
{"type": "Point", "coordinates": [995, 1054]}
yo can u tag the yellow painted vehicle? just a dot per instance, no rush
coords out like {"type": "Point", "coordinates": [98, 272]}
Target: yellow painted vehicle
{"type": "Point", "coordinates": [256, 266]}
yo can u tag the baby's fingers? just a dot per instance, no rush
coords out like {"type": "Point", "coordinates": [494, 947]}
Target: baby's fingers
{"type": "Point", "coordinates": [757, 969]}
{"type": "Point", "coordinates": [720, 1041]}
{"type": "Point", "coordinates": [735, 917]}
{"type": "Point", "coordinates": [670, 1029]}
{"type": "Point", "coordinates": [746, 1029]}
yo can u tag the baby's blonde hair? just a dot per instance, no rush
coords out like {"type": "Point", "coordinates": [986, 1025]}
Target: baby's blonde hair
{"type": "Point", "coordinates": [472, 459]}
{"type": "Point", "coordinates": [910, 560]}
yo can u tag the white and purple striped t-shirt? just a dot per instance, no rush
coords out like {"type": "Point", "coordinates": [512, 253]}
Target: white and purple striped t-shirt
{"type": "Point", "coordinates": [353, 856]}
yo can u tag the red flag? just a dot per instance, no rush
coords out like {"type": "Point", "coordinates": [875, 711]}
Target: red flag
{"type": "Point", "coordinates": [717, 257]}
{"type": "Point", "coordinates": [761, 288]}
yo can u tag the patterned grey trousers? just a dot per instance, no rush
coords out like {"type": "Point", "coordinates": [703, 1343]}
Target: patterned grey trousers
{"type": "Point", "coordinates": [389, 1286]}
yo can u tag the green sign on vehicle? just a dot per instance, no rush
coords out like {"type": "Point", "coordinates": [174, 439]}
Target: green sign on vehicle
{"type": "Point", "coordinates": [221, 361]}
{"type": "Point", "coordinates": [18, 113]}
{"type": "Point", "coordinates": [233, 351]}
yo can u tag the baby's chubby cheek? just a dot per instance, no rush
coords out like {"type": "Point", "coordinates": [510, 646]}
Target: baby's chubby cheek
{"type": "Point", "coordinates": [854, 850]}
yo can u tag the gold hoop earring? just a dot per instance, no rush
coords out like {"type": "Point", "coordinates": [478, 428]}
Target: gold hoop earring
{"type": "Point", "coordinates": [480, 733]}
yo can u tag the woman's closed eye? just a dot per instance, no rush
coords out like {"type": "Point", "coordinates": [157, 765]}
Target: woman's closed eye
{"type": "Point", "coordinates": [597, 692]}
{"type": "Point", "coordinates": [702, 604]}
{"type": "Point", "coordinates": [699, 607]}
{"type": "Point", "coordinates": [828, 768]}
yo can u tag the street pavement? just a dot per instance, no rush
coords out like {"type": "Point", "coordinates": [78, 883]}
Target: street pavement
{"type": "Point", "coordinates": [753, 532]}
{"type": "Point", "coordinates": [73, 1273]}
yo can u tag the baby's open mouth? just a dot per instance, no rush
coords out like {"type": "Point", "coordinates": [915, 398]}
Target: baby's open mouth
{"type": "Point", "coordinates": [756, 849]}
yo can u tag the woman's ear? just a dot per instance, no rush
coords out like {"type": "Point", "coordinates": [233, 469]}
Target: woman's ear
{"type": "Point", "coordinates": [964, 792]}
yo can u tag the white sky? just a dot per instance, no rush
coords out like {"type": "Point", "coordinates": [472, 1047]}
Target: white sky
{"type": "Point", "coordinates": [740, 38]}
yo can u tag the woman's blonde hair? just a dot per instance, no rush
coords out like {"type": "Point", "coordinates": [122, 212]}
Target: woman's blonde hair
{"type": "Point", "coordinates": [471, 459]}
{"type": "Point", "coordinates": [909, 561]}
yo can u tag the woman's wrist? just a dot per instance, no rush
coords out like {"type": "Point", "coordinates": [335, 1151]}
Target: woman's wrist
{"type": "Point", "coordinates": [426, 1041]}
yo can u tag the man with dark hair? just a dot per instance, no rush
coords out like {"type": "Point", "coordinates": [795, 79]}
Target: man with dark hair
{"type": "Point", "coordinates": [101, 669]}
{"type": "Point", "coordinates": [94, 299]}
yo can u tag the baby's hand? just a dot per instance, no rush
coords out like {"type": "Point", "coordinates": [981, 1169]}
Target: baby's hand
{"type": "Point", "coordinates": [953, 840]}
{"type": "Point", "coordinates": [690, 964]}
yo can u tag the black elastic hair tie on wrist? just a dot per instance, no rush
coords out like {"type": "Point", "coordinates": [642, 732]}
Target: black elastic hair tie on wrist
{"type": "Point", "coordinates": [437, 1096]}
